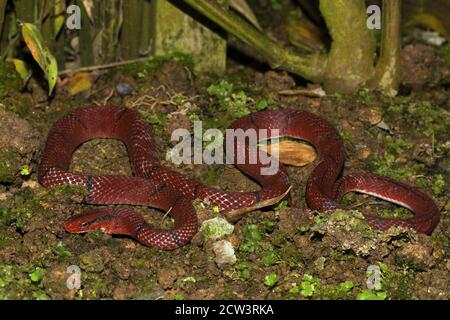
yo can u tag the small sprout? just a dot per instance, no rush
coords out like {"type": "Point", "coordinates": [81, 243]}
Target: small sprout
{"type": "Point", "coordinates": [338, 96]}
{"type": "Point", "coordinates": [269, 259]}
{"type": "Point", "coordinates": [178, 297]}
{"type": "Point", "coordinates": [61, 251]}
{"type": "Point", "coordinates": [271, 280]}
{"type": "Point", "coordinates": [281, 205]}
{"type": "Point", "coordinates": [220, 90]}
{"type": "Point", "coordinates": [179, 100]}
{"type": "Point", "coordinates": [346, 286]}
{"type": "Point", "coordinates": [25, 170]}
{"type": "Point", "coordinates": [319, 218]}
{"type": "Point", "coordinates": [194, 117]}
{"type": "Point", "coordinates": [246, 274]}
{"type": "Point", "coordinates": [303, 229]}
{"type": "Point", "coordinates": [141, 75]}
{"type": "Point", "coordinates": [308, 285]}
{"type": "Point", "coordinates": [37, 275]}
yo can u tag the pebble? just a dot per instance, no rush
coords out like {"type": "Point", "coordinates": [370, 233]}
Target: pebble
{"type": "Point", "coordinates": [224, 253]}
{"type": "Point", "coordinates": [124, 89]}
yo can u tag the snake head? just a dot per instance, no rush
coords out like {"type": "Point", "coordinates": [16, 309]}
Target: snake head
{"type": "Point", "coordinates": [111, 221]}
{"type": "Point", "coordinates": [103, 219]}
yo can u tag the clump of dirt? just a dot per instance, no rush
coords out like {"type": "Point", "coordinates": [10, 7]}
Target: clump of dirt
{"type": "Point", "coordinates": [422, 67]}
{"type": "Point", "coordinates": [18, 143]}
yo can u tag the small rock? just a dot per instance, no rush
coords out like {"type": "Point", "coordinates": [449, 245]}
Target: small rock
{"type": "Point", "coordinates": [364, 153]}
{"type": "Point", "coordinates": [224, 252]}
{"type": "Point", "coordinates": [124, 89]}
{"type": "Point", "coordinates": [319, 263]}
{"type": "Point", "coordinates": [424, 153]}
{"type": "Point", "coordinates": [383, 125]}
{"type": "Point", "coordinates": [422, 66]}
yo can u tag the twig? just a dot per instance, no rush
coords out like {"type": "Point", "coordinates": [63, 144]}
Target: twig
{"type": "Point", "coordinates": [102, 66]}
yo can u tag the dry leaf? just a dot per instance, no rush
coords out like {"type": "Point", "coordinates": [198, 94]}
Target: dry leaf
{"type": "Point", "coordinates": [78, 82]}
{"type": "Point", "coordinates": [294, 153]}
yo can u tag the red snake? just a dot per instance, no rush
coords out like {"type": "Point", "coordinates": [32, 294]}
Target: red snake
{"type": "Point", "coordinates": [158, 187]}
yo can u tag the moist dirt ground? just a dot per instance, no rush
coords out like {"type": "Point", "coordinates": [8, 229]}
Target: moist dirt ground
{"type": "Point", "coordinates": [282, 252]}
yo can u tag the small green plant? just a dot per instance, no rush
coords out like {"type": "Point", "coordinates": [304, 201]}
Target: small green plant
{"type": "Point", "coordinates": [221, 90]}
{"type": "Point", "coordinates": [25, 170]}
{"type": "Point", "coordinates": [61, 251]}
{"type": "Point", "coordinates": [252, 238]}
{"type": "Point", "coordinates": [37, 275]}
{"type": "Point", "coordinates": [365, 97]}
{"type": "Point", "coordinates": [261, 104]}
{"type": "Point", "coordinates": [308, 285]}
{"type": "Point", "coordinates": [271, 280]}
{"type": "Point", "coordinates": [281, 205]}
{"type": "Point", "coordinates": [178, 297]}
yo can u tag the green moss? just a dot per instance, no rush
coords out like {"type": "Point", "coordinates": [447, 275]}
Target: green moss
{"type": "Point", "coordinates": [269, 258]}
{"type": "Point", "coordinates": [9, 165]}
{"type": "Point", "coordinates": [444, 52]}
{"type": "Point", "coordinates": [424, 116]}
{"type": "Point", "coordinates": [352, 218]}
{"type": "Point", "coordinates": [252, 238]}
{"type": "Point", "coordinates": [435, 183]}
{"type": "Point", "coordinates": [216, 228]}
{"type": "Point", "coordinates": [364, 97]}
{"type": "Point", "coordinates": [9, 78]}
{"type": "Point", "coordinates": [95, 286]}
{"type": "Point", "coordinates": [61, 251]}
{"type": "Point", "coordinates": [92, 262]}
{"type": "Point", "coordinates": [387, 165]}
{"type": "Point", "coordinates": [157, 121]}
{"type": "Point", "coordinates": [20, 282]}
{"type": "Point", "coordinates": [398, 284]}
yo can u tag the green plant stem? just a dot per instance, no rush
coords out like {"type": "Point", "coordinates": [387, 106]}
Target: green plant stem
{"type": "Point", "coordinates": [309, 67]}
{"type": "Point", "coordinates": [350, 60]}
{"type": "Point", "coordinates": [387, 72]}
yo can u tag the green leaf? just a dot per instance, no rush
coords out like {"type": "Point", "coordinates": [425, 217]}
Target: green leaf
{"type": "Point", "coordinates": [40, 53]}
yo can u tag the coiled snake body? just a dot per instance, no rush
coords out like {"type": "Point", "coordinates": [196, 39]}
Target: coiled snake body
{"type": "Point", "coordinates": [155, 186]}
